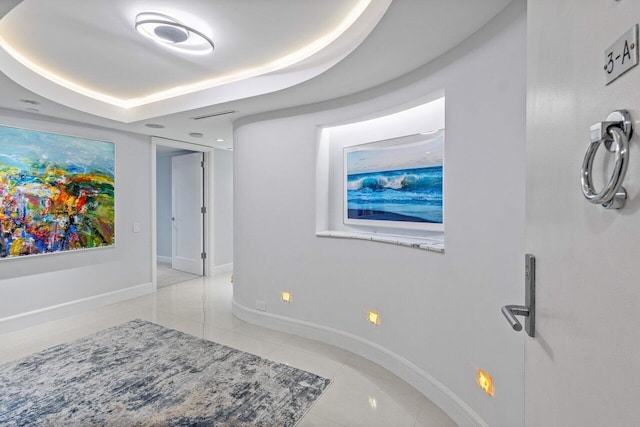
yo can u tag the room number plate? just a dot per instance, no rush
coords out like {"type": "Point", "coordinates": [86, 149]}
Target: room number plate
{"type": "Point", "coordinates": [622, 55]}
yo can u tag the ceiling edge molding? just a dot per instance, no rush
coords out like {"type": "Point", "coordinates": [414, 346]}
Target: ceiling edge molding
{"type": "Point", "coordinates": [515, 10]}
{"type": "Point", "coordinates": [7, 5]}
{"type": "Point", "coordinates": [28, 74]}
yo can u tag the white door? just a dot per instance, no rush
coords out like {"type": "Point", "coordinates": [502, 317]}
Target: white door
{"type": "Point", "coordinates": [583, 367]}
{"type": "Point", "coordinates": [187, 217]}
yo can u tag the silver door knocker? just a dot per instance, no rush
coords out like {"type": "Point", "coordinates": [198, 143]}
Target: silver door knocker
{"type": "Point", "coordinates": [614, 134]}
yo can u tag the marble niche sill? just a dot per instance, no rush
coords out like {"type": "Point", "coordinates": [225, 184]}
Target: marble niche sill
{"type": "Point", "coordinates": [424, 243]}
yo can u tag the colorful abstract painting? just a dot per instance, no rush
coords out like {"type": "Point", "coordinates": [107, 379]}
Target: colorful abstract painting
{"type": "Point", "coordinates": [396, 183]}
{"type": "Point", "coordinates": [56, 193]}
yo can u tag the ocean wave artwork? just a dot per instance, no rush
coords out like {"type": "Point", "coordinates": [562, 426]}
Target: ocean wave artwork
{"type": "Point", "coordinates": [56, 193]}
{"type": "Point", "coordinates": [397, 183]}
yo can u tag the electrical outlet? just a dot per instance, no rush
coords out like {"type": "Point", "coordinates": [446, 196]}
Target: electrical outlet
{"type": "Point", "coordinates": [261, 305]}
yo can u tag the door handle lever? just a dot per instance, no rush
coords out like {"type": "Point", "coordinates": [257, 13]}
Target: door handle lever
{"type": "Point", "coordinates": [511, 311]}
{"type": "Point", "coordinates": [528, 310]}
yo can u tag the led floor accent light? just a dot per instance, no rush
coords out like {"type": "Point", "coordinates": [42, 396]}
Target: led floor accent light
{"type": "Point", "coordinates": [286, 296]}
{"type": "Point", "coordinates": [172, 34]}
{"type": "Point", "coordinates": [373, 317]}
{"type": "Point", "coordinates": [485, 382]}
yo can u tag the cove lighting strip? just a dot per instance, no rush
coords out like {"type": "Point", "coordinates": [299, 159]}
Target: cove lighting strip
{"type": "Point", "coordinates": [268, 67]}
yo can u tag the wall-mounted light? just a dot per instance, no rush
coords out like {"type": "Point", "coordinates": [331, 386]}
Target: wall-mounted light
{"type": "Point", "coordinates": [485, 382]}
{"type": "Point", "coordinates": [286, 296]}
{"type": "Point", "coordinates": [172, 34]}
{"type": "Point", "coordinates": [373, 317]}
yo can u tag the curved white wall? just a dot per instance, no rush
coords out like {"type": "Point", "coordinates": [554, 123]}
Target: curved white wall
{"type": "Point", "coordinates": [440, 313]}
{"type": "Point", "coordinates": [223, 209]}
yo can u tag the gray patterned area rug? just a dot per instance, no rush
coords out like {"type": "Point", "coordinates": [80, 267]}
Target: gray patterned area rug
{"type": "Point", "coordinates": [142, 374]}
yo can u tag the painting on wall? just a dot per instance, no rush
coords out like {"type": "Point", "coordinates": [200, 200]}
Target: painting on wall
{"type": "Point", "coordinates": [396, 183]}
{"type": "Point", "coordinates": [56, 193]}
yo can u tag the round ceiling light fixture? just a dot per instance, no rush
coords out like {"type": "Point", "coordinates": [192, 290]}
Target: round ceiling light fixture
{"type": "Point", "coordinates": [172, 34]}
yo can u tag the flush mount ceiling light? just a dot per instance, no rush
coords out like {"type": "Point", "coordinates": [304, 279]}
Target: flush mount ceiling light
{"type": "Point", "coordinates": [22, 60]}
{"type": "Point", "coordinates": [172, 34]}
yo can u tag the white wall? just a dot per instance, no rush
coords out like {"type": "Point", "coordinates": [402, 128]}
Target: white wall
{"type": "Point", "coordinates": [222, 207]}
{"type": "Point", "coordinates": [440, 313]}
{"type": "Point", "coordinates": [38, 282]}
{"type": "Point", "coordinates": [583, 367]}
{"type": "Point", "coordinates": [163, 204]}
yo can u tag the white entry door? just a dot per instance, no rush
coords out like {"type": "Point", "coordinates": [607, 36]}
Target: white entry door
{"type": "Point", "coordinates": [583, 366]}
{"type": "Point", "coordinates": [187, 217]}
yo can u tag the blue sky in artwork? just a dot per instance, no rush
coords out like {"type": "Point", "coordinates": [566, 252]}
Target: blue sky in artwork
{"type": "Point", "coordinates": [21, 148]}
{"type": "Point", "coordinates": [421, 154]}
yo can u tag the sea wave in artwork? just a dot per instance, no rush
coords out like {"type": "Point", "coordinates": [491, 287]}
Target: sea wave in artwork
{"type": "Point", "coordinates": [413, 195]}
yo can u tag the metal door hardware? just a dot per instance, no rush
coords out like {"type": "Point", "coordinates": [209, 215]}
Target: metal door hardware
{"type": "Point", "coordinates": [529, 309]}
{"type": "Point", "coordinates": [614, 133]}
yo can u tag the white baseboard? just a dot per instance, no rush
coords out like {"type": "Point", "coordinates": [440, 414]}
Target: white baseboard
{"type": "Point", "coordinates": [163, 259]}
{"type": "Point", "coordinates": [426, 384]}
{"type": "Point", "coordinates": [48, 314]}
{"type": "Point", "coordinates": [224, 268]}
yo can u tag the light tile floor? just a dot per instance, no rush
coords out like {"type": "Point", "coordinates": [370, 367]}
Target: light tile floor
{"type": "Point", "coordinates": [362, 393]}
{"type": "Point", "coordinates": [168, 276]}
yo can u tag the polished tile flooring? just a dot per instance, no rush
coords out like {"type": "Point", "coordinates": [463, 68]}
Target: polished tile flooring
{"type": "Point", "coordinates": [168, 276]}
{"type": "Point", "coordinates": [362, 393]}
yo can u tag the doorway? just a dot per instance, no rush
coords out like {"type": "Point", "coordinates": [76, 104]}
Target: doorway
{"type": "Point", "coordinates": [180, 218]}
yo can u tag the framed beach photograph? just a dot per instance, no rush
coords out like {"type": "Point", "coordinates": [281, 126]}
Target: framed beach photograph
{"type": "Point", "coordinates": [57, 193]}
{"type": "Point", "coordinates": [396, 182]}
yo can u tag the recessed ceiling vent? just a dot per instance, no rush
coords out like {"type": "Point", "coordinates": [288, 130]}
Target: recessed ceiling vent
{"type": "Point", "coordinates": [208, 116]}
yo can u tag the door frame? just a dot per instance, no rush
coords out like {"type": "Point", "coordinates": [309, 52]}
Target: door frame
{"type": "Point", "coordinates": [208, 200]}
